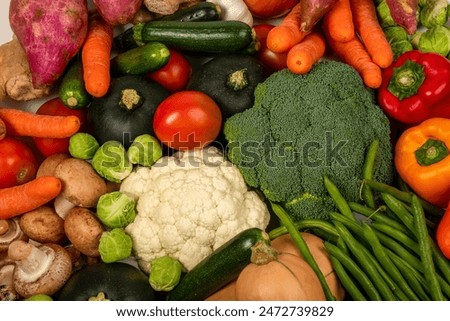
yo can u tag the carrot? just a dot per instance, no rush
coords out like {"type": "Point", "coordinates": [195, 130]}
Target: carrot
{"type": "Point", "coordinates": [355, 54]}
{"type": "Point", "coordinates": [339, 21]}
{"type": "Point", "coordinates": [23, 198]}
{"type": "Point", "coordinates": [287, 33]}
{"type": "Point", "coordinates": [372, 35]}
{"type": "Point", "coordinates": [24, 123]}
{"type": "Point", "coordinates": [304, 55]}
{"type": "Point", "coordinates": [2, 129]}
{"type": "Point", "coordinates": [96, 55]}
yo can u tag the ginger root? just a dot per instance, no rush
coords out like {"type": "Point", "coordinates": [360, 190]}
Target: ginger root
{"type": "Point", "coordinates": [15, 77]}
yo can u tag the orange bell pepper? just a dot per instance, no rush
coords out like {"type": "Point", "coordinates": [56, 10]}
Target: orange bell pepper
{"type": "Point", "coordinates": [443, 234]}
{"type": "Point", "coordinates": [422, 160]}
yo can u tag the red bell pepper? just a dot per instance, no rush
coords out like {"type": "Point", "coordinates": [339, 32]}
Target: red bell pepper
{"type": "Point", "coordinates": [416, 87]}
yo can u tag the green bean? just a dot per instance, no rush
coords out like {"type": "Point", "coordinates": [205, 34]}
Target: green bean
{"type": "Point", "coordinates": [353, 268]}
{"type": "Point", "coordinates": [397, 235]}
{"type": "Point", "coordinates": [426, 254]}
{"type": "Point", "coordinates": [325, 226]}
{"type": "Point", "coordinates": [339, 200]}
{"type": "Point", "coordinates": [346, 280]}
{"type": "Point", "coordinates": [369, 162]}
{"type": "Point", "coordinates": [303, 247]}
{"type": "Point", "coordinates": [397, 207]}
{"type": "Point", "coordinates": [386, 262]}
{"type": "Point", "coordinates": [440, 260]}
{"type": "Point", "coordinates": [363, 258]}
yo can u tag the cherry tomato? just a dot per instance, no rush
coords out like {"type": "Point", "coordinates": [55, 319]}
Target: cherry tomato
{"type": "Point", "coordinates": [175, 75]}
{"type": "Point", "coordinates": [187, 119]}
{"type": "Point", "coordinates": [274, 61]}
{"type": "Point", "coordinates": [50, 146]}
{"type": "Point", "coordinates": [18, 164]}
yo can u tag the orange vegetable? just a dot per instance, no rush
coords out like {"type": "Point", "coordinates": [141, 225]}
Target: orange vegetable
{"type": "Point", "coordinates": [372, 35]}
{"type": "Point", "coordinates": [269, 8]}
{"type": "Point", "coordinates": [2, 129]}
{"type": "Point", "coordinates": [422, 160]}
{"type": "Point", "coordinates": [304, 55]}
{"type": "Point", "coordinates": [339, 21]}
{"type": "Point", "coordinates": [443, 234]}
{"type": "Point", "coordinates": [23, 198]}
{"type": "Point", "coordinates": [287, 34]}
{"type": "Point", "coordinates": [95, 56]}
{"type": "Point", "coordinates": [23, 123]}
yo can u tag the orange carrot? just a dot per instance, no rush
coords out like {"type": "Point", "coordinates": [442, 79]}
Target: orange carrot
{"type": "Point", "coordinates": [96, 55]}
{"type": "Point", "coordinates": [372, 35]}
{"type": "Point", "coordinates": [2, 129]}
{"type": "Point", "coordinates": [23, 198]}
{"type": "Point", "coordinates": [339, 21]}
{"type": "Point", "coordinates": [287, 33]}
{"type": "Point", "coordinates": [355, 54]}
{"type": "Point", "coordinates": [24, 123]}
{"type": "Point", "coordinates": [302, 57]}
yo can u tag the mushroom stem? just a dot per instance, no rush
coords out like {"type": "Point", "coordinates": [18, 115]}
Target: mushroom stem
{"type": "Point", "coordinates": [9, 232]}
{"type": "Point", "coordinates": [32, 262]}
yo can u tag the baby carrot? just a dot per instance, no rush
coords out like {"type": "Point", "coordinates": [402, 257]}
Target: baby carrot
{"type": "Point", "coordinates": [302, 56]}
{"type": "Point", "coordinates": [24, 123]}
{"type": "Point", "coordinates": [23, 198]}
{"type": "Point", "coordinates": [339, 21]}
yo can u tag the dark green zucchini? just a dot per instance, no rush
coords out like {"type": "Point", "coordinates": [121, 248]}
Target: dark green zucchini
{"type": "Point", "coordinates": [200, 37]}
{"type": "Point", "coordinates": [72, 91]}
{"type": "Point", "coordinates": [149, 57]}
{"type": "Point", "coordinates": [219, 268]}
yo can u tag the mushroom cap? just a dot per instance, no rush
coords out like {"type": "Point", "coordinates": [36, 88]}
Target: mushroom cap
{"type": "Point", "coordinates": [11, 232]}
{"type": "Point", "coordinates": [83, 229]}
{"type": "Point", "coordinates": [82, 185]}
{"type": "Point", "coordinates": [52, 280]}
{"type": "Point", "coordinates": [43, 225]}
{"type": "Point", "coordinates": [49, 164]}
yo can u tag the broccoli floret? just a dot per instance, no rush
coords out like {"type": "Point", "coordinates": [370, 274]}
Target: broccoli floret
{"type": "Point", "coordinates": [303, 127]}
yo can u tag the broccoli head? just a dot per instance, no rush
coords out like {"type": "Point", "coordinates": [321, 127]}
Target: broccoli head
{"type": "Point", "coordinates": [303, 127]}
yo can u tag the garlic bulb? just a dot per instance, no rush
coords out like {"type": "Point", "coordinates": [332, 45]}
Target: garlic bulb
{"type": "Point", "coordinates": [234, 10]}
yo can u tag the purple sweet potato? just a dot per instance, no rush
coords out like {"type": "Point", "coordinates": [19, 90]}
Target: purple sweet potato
{"type": "Point", "coordinates": [404, 13]}
{"type": "Point", "coordinates": [312, 11]}
{"type": "Point", "coordinates": [51, 32]}
{"type": "Point", "coordinates": [117, 12]}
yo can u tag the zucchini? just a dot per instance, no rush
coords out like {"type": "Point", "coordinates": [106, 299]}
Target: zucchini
{"type": "Point", "coordinates": [219, 268]}
{"type": "Point", "coordinates": [72, 91]}
{"type": "Point", "coordinates": [202, 36]}
{"type": "Point", "coordinates": [149, 57]}
{"type": "Point", "coordinates": [203, 11]}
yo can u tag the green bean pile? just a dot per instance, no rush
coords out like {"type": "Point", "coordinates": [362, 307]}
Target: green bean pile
{"type": "Point", "coordinates": [383, 248]}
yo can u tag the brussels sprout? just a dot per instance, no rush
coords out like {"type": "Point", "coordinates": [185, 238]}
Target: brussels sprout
{"type": "Point", "coordinates": [115, 245]}
{"type": "Point", "coordinates": [395, 33]}
{"type": "Point", "coordinates": [111, 161]}
{"type": "Point", "coordinates": [415, 39]}
{"type": "Point", "coordinates": [116, 209]}
{"type": "Point", "coordinates": [165, 273]}
{"type": "Point", "coordinates": [434, 13]}
{"type": "Point", "coordinates": [145, 150]}
{"type": "Point", "coordinates": [384, 15]}
{"type": "Point", "coordinates": [436, 39]}
{"type": "Point", "coordinates": [400, 47]}
{"type": "Point", "coordinates": [83, 145]}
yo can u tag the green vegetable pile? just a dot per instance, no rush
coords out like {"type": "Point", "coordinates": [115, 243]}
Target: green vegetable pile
{"type": "Point", "coordinates": [303, 128]}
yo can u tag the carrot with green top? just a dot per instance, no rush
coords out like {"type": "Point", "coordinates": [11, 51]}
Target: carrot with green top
{"type": "Point", "coordinates": [24, 123]}
{"type": "Point", "coordinates": [23, 198]}
{"type": "Point", "coordinates": [302, 57]}
{"type": "Point", "coordinates": [96, 55]}
{"type": "Point", "coordinates": [339, 21]}
{"type": "Point", "coordinates": [287, 33]}
{"type": "Point", "coordinates": [372, 35]}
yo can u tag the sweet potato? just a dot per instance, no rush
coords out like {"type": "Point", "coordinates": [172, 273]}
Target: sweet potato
{"type": "Point", "coordinates": [117, 12]}
{"type": "Point", "coordinates": [51, 32]}
{"type": "Point", "coordinates": [404, 13]}
{"type": "Point", "coordinates": [313, 11]}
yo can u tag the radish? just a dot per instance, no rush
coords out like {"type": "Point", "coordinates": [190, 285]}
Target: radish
{"type": "Point", "coordinates": [117, 12]}
{"type": "Point", "coordinates": [51, 32]}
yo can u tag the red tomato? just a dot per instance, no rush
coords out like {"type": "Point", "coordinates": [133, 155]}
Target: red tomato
{"type": "Point", "coordinates": [187, 119]}
{"type": "Point", "coordinates": [175, 75]}
{"type": "Point", "coordinates": [274, 61]}
{"type": "Point", "coordinates": [18, 164]}
{"type": "Point", "coordinates": [50, 146]}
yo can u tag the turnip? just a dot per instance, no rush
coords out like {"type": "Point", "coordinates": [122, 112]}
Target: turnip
{"type": "Point", "coordinates": [51, 32]}
{"type": "Point", "coordinates": [117, 12]}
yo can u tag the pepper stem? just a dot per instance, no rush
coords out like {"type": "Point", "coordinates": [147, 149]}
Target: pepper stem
{"type": "Point", "coordinates": [432, 152]}
{"type": "Point", "coordinates": [237, 80]}
{"type": "Point", "coordinates": [130, 99]}
{"type": "Point", "coordinates": [406, 79]}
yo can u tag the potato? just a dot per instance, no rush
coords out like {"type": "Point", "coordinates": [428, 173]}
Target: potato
{"type": "Point", "coordinates": [51, 33]}
{"type": "Point", "coordinates": [117, 12]}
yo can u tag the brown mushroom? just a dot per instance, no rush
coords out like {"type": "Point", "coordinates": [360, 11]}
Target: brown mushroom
{"type": "Point", "coordinates": [49, 164]}
{"type": "Point", "coordinates": [83, 229]}
{"type": "Point", "coordinates": [9, 232]}
{"type": "Point", "coordinates": [42, 269]}
{"type": "Point", "coordinates": [43, 225]}
{"type": "Point", "coordinates": [82, 185]}
{"type": "Point", "coordinates": [7, 290]}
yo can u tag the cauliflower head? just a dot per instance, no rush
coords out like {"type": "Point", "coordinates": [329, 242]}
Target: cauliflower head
{"type": "Point", "coordinates": [188, 205]}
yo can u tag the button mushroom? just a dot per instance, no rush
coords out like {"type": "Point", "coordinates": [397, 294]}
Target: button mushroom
{"type": "Point", "coordinates": [39, 269]}
{"type": "Point", "coordinates": [7, 291]}
{"type": "Point", "coordinates": [43, 225]}
{"type": "Point", "coordinates": [9, 232]}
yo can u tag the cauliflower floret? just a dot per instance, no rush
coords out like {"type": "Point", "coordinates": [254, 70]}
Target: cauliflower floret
{"type": "Point", "coordinates": [188, 205]}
